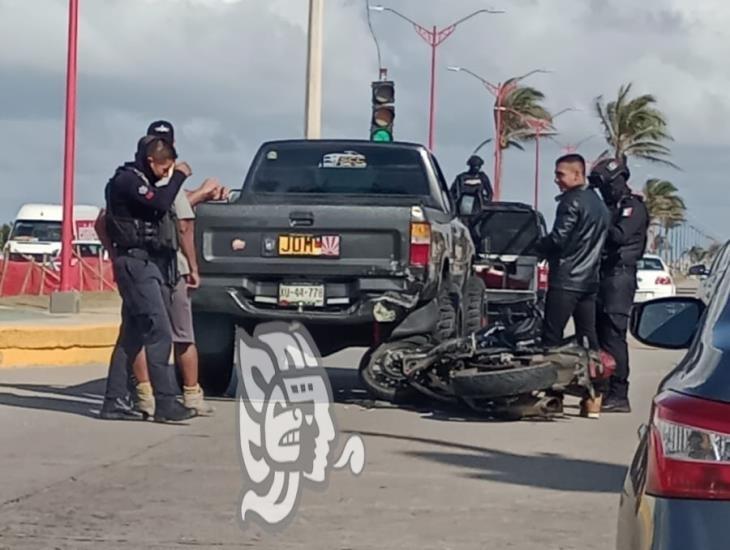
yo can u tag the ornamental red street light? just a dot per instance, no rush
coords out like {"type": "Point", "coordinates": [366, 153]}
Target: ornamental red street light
{"type": "Point", "coordinates": [70, 145]}
{"type": "Point", "coordinates": [500, 91]}
{"type": "Point", "coordinates": [434, 37]}
{"type": "Point", "coordinates": [572, 147]}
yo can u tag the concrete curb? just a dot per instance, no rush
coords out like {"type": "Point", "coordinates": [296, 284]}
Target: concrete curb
{"type": "Point", "coordinates": [63, 346]}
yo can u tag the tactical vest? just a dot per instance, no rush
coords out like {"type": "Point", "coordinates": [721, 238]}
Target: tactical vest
{"type": "Point", "coordinates": [159, 237]}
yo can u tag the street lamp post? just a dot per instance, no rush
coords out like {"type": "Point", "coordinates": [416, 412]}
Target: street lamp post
{"type": "Point", "coordinates": [500, 91]}
{"type": "Point", "coordinates": [434, 37]}
{"type": "Point", "coordinates": [313, 97]}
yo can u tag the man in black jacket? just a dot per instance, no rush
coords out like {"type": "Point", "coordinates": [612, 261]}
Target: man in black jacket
{"type": "Point", "coordinates": [573, 250]}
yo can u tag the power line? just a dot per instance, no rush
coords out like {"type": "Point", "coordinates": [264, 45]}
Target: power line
{"type": "Point", "coordinates": [372, 32]}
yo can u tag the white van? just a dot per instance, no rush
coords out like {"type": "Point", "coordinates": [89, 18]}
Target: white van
{"type": "Point", "coordinates": [36, 231]}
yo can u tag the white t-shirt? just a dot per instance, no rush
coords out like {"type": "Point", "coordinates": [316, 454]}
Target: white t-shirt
{"type": "Point", "coordinates": [184, 211]}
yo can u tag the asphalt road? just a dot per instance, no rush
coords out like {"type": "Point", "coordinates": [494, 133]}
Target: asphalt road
{"type": "Point", "coordinates": [431, 480]}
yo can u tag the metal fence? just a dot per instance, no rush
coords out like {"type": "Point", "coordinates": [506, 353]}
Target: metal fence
{"type": "Point", "coordinates": [684, 245]}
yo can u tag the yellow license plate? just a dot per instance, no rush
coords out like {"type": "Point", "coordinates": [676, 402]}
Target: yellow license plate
{"type": "Point", "coordinates": [309, 245]}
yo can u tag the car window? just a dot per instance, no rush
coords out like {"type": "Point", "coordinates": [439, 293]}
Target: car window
{"type": "Point", "coordinates": [35, 231]}
{"type": "Point", "coordinates": [650, 264]}
{"type": "Point", "coordinates": [327, 169]}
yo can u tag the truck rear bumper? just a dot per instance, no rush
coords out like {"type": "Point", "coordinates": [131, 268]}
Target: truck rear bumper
{"type": "Point", "coordinates": [355, 301]}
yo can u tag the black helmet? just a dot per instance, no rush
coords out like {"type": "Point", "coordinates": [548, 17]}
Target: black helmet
{"type": "Point", "coordinates": [607, 170]}
{"type": "Point", "coordinates": [475, 161]}
{"type": "Point", "coordinates": [610, 177]}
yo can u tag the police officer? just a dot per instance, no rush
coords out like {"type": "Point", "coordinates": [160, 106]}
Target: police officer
{"type": "Point", "coordinates": [474, 176]}
{"type": "Point", "coordinates": [143, 232]}
{"type": "Point", "coordinates": [625, 245]}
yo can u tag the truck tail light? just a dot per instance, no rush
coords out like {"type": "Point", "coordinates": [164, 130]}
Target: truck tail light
{"type": "Point", "coordinates": [420, 247]}
{"type": "Point", "coordinates": [689, 448]}
{"type": "Point", "coordinates": [663, 280]}
{"type": "Point", "coordinates": [542, 277]}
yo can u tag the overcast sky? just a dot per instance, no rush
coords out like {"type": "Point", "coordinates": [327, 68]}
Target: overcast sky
{"type": "Point", "coordinates": [230, 74]}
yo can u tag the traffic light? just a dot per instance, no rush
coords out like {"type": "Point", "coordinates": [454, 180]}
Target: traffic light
{"type": "Point", "coordinates": [381, 124]}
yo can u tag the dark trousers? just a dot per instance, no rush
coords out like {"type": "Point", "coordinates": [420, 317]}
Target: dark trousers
{"type": "Point", "coordinates": [615, 299]}
{"type": "Point", "coordinates": [560, 306]}
{"type": "Point", "coordinates": [145, 322]}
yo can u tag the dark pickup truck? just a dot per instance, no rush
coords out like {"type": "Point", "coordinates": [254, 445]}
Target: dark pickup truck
{"type": "Point", "coordinates": [359, 241]}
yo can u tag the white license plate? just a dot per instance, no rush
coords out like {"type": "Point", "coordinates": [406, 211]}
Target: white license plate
{"type": "Point", "coordinates": [306, 295]}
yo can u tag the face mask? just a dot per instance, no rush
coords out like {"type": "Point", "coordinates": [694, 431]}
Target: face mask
{"type": "Point", "coordinates": [613, 192]}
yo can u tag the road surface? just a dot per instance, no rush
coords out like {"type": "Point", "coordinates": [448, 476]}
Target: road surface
{"type": "Point", "coordinates": [431, 481]}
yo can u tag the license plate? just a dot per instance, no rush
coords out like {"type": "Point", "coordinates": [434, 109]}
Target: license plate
{"type": "Point", "coordinates": [309, 245]}
{"type": "Point", "coordinates": [306, 295]}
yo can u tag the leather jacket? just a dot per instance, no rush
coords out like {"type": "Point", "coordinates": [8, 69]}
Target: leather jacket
{"type": "Point", "coordinates": [574, 246]}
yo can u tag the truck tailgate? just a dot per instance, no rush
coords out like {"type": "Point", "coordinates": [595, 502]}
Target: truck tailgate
{"type": "Point", "coordinates": [325, 240]}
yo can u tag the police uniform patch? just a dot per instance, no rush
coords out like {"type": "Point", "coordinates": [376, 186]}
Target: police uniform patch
{"type": "Point", "coordinates": [626, 212]}
{"type": "Point", "coordinates": [143, 189]}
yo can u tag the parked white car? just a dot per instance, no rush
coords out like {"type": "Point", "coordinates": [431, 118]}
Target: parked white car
{"type": "Point", "coordinates": [654, 279]}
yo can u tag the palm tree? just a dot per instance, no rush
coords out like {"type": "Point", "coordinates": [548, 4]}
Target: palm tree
{"type": "Point", "coordinates": [666, 208]}
{"type": "Point", "coordinates": [518, 105]}
{"type": "Point", "coordinates": [634, 127]}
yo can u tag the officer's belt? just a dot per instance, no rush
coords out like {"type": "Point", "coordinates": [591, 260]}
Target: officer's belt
{"type": "Point", "coordinates": [618, 270]}
{"type": "Point", "coordinates": [138, 253]}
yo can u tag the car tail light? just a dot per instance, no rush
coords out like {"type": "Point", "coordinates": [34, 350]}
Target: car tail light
{"type": "Point", "coordinates": [689, 448]}
{"type": "Point", "coordinates": [420, 249]}
{"type": "Point", "coordinates": [542, 277]}
{"type": "Point", "coordinates": [663, 281]}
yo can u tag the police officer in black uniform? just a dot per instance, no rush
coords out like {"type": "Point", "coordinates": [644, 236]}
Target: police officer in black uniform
{"type": "Point", "coordinates": [625, 245]}
{"type": "Point", "coordinates": [141, 226]}
{"type": "Point", "coordinates": [473, 177]}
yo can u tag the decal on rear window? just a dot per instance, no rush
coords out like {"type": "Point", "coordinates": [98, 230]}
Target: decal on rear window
{"type": "Point", "coordinates": [346, 159]}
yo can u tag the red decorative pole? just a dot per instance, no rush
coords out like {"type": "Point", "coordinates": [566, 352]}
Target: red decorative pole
{"type": "Point", "coordinates": [70, 145]}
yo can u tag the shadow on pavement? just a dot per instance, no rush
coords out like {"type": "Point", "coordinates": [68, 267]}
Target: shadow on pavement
{"type": "Point", "coordinates": [544, 470]}
{"type": "Point", "coordinates": [92, 392]}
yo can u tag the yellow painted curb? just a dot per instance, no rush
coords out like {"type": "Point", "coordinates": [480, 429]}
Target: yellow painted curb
{"type": "Point", "coordinates": [35, 345]}
{"type": "Point", "coordinates": [69, 357]}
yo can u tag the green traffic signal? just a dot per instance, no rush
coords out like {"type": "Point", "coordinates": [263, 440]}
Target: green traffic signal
{"type": "Point", "coordinates": [382, 135]}
{"type": "Point", "coordinates": [383, 111]}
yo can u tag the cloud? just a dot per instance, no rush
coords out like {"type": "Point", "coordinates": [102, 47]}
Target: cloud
{"type": "Point", "coordinates": [230, 74]}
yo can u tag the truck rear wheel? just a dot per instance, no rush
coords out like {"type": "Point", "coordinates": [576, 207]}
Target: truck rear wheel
{"type": "Point", "coordinates": [474, 305]}
{"type": "Point", "coordinates": [214, 335]}
{"type": "Point", "coordinates": [447, 326]}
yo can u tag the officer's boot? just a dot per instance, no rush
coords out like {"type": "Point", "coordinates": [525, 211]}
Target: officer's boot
{"type": "Point", "coordinates": [169, 409]}
{"type": "Point", "coordinates": [145, 400]}
{"type": "Point", "coordinates": [193, 398]}
{"type": "Point", "coordinates": [118, 409]}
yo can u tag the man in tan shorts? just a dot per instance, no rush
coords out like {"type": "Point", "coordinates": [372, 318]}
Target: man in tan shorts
{"type": "Point", "coordinates": [181, 318]}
